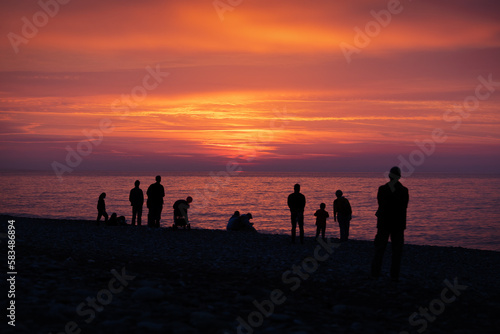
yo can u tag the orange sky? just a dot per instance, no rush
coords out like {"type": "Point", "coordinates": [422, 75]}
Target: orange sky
{"type": "Point", "coordinates": [268, 86]}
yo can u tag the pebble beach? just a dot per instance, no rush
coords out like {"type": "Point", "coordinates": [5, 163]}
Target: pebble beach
{"type": "Point", "coordinates": [79, 277]}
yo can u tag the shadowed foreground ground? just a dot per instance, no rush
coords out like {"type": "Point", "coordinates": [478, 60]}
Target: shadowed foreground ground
{"type": "Point", "coordinates": [74, 275]}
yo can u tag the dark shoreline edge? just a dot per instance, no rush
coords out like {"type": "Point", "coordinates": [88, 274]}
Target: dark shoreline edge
{"type": "Point", "coordinates": [202, 281]}
{"type": "Point", "coordinates": [92, 222]}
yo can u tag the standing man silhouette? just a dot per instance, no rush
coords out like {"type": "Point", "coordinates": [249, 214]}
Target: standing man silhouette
{"type": "Point", "coordinates": [297, 203]}
{"type": "Point", "coordinates": [155, 193]}
{"type": "Point", "coordinates": [342, 212]}
{"type": "Point", "coordinates": [136, 199]}
{"type": "Point", "coordinates": [392, 200]}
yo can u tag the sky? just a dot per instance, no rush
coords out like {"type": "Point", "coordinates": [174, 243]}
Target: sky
{"type": "Point", "coordinates": [322, 86]}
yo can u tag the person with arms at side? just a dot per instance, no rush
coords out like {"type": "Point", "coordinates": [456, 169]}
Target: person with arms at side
{"type": "Point", "coordinates": [297, 203]}
{"type": "Point", "coordinates": [155, 193]}
{"type": "Point", "coordinates": [136, 199]}
{"type": "Point", "coordinates": [321, 216]}
{"type": "Point", "coordinates": [393, 201]}
{"type": "Point", "coordinates": [342, 213]}
{"type": "Point", "coordinates": [101, 209]}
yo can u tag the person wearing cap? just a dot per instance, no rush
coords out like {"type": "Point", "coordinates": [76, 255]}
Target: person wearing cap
{"type": "Point", "coordinates": [392, 200]}
{"type": "Point", "coordinates": [342, 212]}
{"type": "Point", "coordinates": [181, 212]}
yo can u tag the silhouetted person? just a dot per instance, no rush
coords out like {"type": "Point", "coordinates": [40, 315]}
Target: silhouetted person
{"type": "Point", "coordinates": [181, 212]}
{"type": "Point", "coordinates": [136, 199]}
{"type": "Point", "coordinates": [114, 220]}
{"type": "Point", "coordinates": [392, 200]}
{"type": "Point", "coordinates": [245, 224]}
{"type": "Point", "coordinates": [233, 221]}
{"type": "Point", "coordinates": [342, 213]}
{"type": "Point", "coordinates": [297, 203]}
{"type": "Point", "coordinates": [321, 216]}
{"type": "Point", "coordinates": [155, 193]}
{"type": "Point", "coordinates": [240, 222]}
{"type": "Point", "coordinates": [101, 209]}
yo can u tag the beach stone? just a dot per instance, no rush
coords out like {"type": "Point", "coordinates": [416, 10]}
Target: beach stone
{"type": "Point", "coordinates": [203, 319]}
{"type": "Point", "coordinates": [339, 309]}
{"type": "Point", "coordinates": [272, 330]}
{"type": "Point", "coordinates": [148, 283]}
{"type": "Point", "coordinates": [60, 309]}
{"type": "Point", "coordinates": [172, 311]}
{"type": "Point", "coordinates": [244, 299]}
{"type": "Point", "coordinates": [147, 294]}
{"type": "Point", "coordinates": [146, 315]}
{"type": "Point", "coordinates": [20, 328]}
{"type": "Point", "coordinates": [356, 326]}
{"type": "Point", "coordinates": [150, 326]}
{"type": "Point", "coordinates": [298, 322]}
{"type": "Point", "coordinates": [281, 317]}
{"type": "Point", "coordinates": [167, 289]}
{"type": "Point", "coordinates": [114, 323]}
{"type": "Point", "coordinates": [180, 328]}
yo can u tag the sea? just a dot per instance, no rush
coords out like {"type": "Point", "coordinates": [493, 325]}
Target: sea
{"type": "Point", "coordinates": [461, 210]}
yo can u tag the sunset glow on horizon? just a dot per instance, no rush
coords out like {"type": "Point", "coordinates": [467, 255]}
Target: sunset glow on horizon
{"type": "Point", "coordinates": [269, 86]}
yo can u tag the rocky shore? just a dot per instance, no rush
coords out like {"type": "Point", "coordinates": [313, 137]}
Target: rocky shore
{"type": "Point", "coordinates": [77, 277]}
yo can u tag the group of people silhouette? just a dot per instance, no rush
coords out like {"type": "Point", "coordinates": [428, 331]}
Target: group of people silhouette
{"type": "Point", "coordinates": [342, 212]}
{"type": "Point", "coordinates": [239, 222]}
{"type": "Point", "coordinates": [392, 199]}
{"type": "Point", "coordinates": [155, 193]}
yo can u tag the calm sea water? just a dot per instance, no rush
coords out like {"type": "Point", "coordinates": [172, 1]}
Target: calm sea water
{"type": "Point", "coordinates": [444, 209]}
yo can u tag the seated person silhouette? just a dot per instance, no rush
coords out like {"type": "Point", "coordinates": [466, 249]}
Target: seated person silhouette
{"type": "Point", "coordinates": [181, 213]}
{"type": "Point", "coordinates": [240, 222]}
{"type": "Point", "coordinates": [114, 220]}
{"type": "Point", "coordinates": [233, 221]}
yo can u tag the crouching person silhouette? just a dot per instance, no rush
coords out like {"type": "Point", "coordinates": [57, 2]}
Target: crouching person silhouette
{"type": "Point", "coordinates": [181, 218]}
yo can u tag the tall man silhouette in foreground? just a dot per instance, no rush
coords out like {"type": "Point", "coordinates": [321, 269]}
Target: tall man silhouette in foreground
{"type": "Point", "coordinates": [155, 193]}
{"type": "Point", "coordinates": [136, 199]}
{"type": "Point", "coordinates": [297, 203]}
{"type": "Point", "coordinates": [392, 200]}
